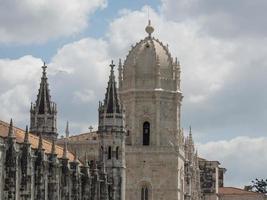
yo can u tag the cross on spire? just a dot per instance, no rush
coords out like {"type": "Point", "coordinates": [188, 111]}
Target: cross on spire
{"type": "Point", "coordinates": [44, 68]}
{"type": "Point", "coordinates": [91, 128]}
{"type": "Point", "coordinates": [112, 65]}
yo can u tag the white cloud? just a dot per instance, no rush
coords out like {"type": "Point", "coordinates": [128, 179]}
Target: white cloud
{"type": "Point", "coordinates": [37, 21]}
{"type": "Point", "coordinates": [244, 158]}
{"type": "Point", "coordinates": [85, 96]}
{"type": "Point", "coordinates": [18, 82]}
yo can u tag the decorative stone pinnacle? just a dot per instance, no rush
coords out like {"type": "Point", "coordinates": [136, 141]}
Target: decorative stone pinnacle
{"type": "Point", "coordinates": [44, 68]}
{"type": "Point", "coordinates": [112, 65]}
{"type": "Point", "coordinates": [67, 132]}
{"type": "Point", "coordinates": [11, 133]}
{"type": "Point", "coordinates": [91, 128]}
{"type": "Point", "coordinates": [26, 137]}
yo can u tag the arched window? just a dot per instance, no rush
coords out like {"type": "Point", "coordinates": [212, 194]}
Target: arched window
{"type": "Point", "coordinates": [144, 193]}
{"type": "Point", "coordinates": [109, 192]}
{"type": "Point", "coordinates": [117, 153]}
{"type": "Point", "coordinates": [146, 133]}
{"type": "Point", "coordinates": [109, 152]}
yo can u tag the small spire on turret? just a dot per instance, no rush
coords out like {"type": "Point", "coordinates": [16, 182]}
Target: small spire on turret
{"type": "Point", "coordinates": [44, 69]}
{"type": "Point", "coordinates": [111, 101]}
{"type": "Point", "coordinates": [11, 133]}
{"type": "Point", "coordinates": [112, 65]}
{"type": "Point", "coordinates": [65, 149]}
{"type": "Point", "coordinates": [120, 74]}
{"type": "Point", "coordinates": [176, 61]}
{"type": "Point", "coordinates": [190, 135]}
{"type": "Point", "coordinates": [158, 81]}
{"type": "Point", "coordinates": [26, 136]}
{"type": "Point", "coordinates": [67, 132]}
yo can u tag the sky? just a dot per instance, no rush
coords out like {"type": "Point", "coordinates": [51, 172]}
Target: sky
{"type": "Point", "coordinates": [221, 45]}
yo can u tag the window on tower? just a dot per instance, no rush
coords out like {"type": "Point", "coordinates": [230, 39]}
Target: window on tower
{"type": "Point", "coordinates": [144, 193]}
{"type": "Point", "coordinates": [146, 133]}
{"type": "Point", "coordinates": [117, 153]}
{"type": "Point", "coordinates": [109, 152]}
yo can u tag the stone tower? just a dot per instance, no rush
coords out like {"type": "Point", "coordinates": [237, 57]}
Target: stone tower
{"type": "Point", "coordinates": [44, 111]}
{"type": "Point", "coordinates": [112, 139]}
{"type": "Point", "coordinates": [149, 88]}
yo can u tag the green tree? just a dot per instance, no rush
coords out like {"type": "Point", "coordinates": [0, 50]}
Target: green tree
{"type": "Point", "coordinates": [259, 185]}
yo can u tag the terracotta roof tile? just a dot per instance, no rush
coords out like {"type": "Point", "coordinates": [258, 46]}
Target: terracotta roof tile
{"type": "Point", "coordinates": [93, 136]}
{"type": "Point", "coordinates": [33, 139]}
{"type": "Point", "coordinates": [235, 191]}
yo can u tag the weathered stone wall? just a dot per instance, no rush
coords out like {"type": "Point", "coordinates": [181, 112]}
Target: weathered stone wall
{"type": "Point", "coordinates": [157, 168]}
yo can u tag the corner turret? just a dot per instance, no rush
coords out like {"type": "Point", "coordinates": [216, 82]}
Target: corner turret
{"type": "Point", "coordinates": [44, 111]}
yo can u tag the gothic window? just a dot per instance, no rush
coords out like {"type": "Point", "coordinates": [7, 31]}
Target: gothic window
{"type": "Point", "coordinates": [102, 152]}
{"type": "Point", "coordinates": [109, 152]}
{"type": "Point", "coordinates": [117, 153]}
{"type": "Point", "coordinates": [144, 193]}
{"type": "Point", "coordinates": [146, 133]}
{"type": "Point", "coordinates": [109, 192]}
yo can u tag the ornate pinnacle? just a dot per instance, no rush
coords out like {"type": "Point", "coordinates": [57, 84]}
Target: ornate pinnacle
{"type": "Point", "coordinates": [112, 65]}
{"type": "Point", "coordinates": [65, 150]}
{"type": "Point", "coordinates": [44, 68]}
{"type": "Point", "coordinates": [26, 136]}
{"type": "Point", "coordinates": [11, 133]}
{"type": "Point", "coordinates": [67, 132]}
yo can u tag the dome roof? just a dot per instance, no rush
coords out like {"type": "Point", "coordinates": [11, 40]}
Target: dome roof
{"type": "Point", "coordinates": [153, 49]}
{"type": "Point", "coordinates": [146, 61]}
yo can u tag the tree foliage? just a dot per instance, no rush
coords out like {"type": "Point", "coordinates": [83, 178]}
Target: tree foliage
{"type": "Point", "coordinates": [259, 185]}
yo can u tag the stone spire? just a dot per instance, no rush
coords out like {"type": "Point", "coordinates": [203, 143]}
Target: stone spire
{"type": "Point", "coordinates": [111, 102]}
{"type": "Point", "coordinates": [11, 133]}
{"type": "Point", "coordinates": [120, 74]}
{"type": "Point", "coordinates": [10, 166]}
{"type": "Point", "coordinates": [43, 112]}
{"type": "Point", "coordinates": [190, 139]}
{"type": "Point", "coordinates": [67, 132]}
{"type": "Point", "coordinates": [65, 149]}
{"type": "Point", "coordinates": [26, 136]}
{"type": "Point", "coordinates": [43, 102]}
{"type": "Point", "coordinates": [110, 111]}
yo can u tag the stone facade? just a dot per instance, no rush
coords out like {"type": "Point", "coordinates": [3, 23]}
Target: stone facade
{"type": "Point", "coordinates": [150, 93]}
{"type": "Point", "coordinates": [32, 168]}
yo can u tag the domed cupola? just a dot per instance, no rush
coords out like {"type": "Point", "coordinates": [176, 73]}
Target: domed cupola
{"type": "Point", "coordinates": [149, 65]}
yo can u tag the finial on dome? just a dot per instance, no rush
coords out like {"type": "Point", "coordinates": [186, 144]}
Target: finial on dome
{"type": "Point", "coordinates": [149, 28]}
